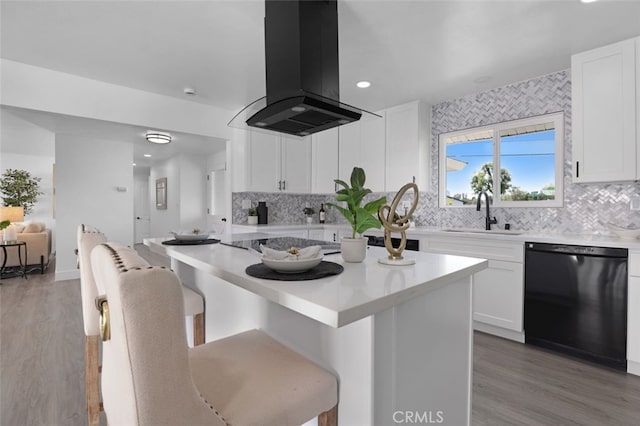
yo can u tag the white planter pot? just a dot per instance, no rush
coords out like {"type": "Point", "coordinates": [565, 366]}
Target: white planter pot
{"type": "Point", "coordinates": [252, 220]}
{"type": "Point", "coordinates": [353, 249]}
{"type": "Point", "coordinates": [309, 219]}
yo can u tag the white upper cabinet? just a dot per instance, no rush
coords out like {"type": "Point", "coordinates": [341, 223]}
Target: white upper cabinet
{"type": "Point", "coordinates": [349, 150]}
{"type": "Point", "coordinates": [263, 168]}
{"type": "Point", "coordinates": [407, 146]}
{"type": "Point", "coordinates": [362, 144]}
{"type": "Point", "coordinates": [296, 165]}
{"type": "Point", "coordinates": [604, 113]}
{"type": "Point", "coordinates": [324, 167]}
{"type": "Point", "coordinates": [372, 151]}
{"type": "Point", "coordinates": [278, 163]}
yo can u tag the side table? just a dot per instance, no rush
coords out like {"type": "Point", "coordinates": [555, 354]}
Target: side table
{"type": "Point", "coordinates": [23, 265]}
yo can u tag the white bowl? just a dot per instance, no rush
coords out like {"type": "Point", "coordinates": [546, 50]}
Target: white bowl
{"type": "Point", "coordinates": [291, 266]}
{"type": "Point", "coordinates": [626, 233]}
{"type": "Point", "coordinates": [190, 236]}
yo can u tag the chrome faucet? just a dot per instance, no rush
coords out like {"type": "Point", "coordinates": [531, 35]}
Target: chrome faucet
{"type": "Point", "coordinates": [488, 221]}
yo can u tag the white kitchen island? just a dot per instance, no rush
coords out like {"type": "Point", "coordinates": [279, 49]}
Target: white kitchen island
{"type": "Point", "coordinates": [398, 337]}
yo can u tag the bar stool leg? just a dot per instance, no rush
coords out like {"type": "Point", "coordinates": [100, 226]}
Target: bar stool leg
{"type": "Point", "coordinates": [329, 418]}
{"type": "Point", "coordinates": [198, 329]}
{"type": "Point", "coordinates": [92, 380]}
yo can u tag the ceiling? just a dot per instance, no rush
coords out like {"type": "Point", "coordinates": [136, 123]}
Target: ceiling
{"type": "Point", "coordinates": [430, 50]}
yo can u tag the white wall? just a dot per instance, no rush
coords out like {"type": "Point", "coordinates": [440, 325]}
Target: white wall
{"type": "Point", "coordinates": [25, 146]}
{"type": "Point", "coordinates": [87, 174]}
{"type": "Point", "coordinates": [186, 195]}
{"type": "Point", "coordinates": [164, 221]}
{"type": "Point", "coordinates": [193, 192]}
{"type": "Point", "coordinates": [41, 89]}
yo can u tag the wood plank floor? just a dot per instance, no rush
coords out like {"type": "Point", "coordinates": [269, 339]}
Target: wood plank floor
{"type": "Point", "coordinates": [42, 369]}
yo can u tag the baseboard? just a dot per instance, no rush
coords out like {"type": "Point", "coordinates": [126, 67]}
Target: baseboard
{"type": "Point", "coordinates": [517, 336]}
{"type": "Point", "coordinates": [72, 274]}
{"type": "Point", "coordinates": [633, 367]}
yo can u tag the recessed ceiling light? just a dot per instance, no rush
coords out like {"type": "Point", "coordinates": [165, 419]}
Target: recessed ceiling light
{"type": "Point", "coordinates": [189, 91]}
{"type": "Point", "coordinates": [363, 84]}
{"type": "Point", "coordinates": [588, 1]}
{"type": "Point", "coordinates": [134, 164]}
{"type": "Point", "coordinates": [298, 109]}
{"type": "Point", "coordinates": [147, 155]}
{"type": "Point", "coordinates": [158, 137]}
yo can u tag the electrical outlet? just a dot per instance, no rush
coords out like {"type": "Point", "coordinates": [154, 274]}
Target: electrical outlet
{"type": "Point", "coordinates": [634, 204]}
{"type": "Point", "coordinates": [246, 204]}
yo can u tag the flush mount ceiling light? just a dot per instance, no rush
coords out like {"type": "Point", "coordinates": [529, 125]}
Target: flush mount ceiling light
{"type": "Point", "coordinates": [147, 155]}
{"type": "Point", "coordinates": [588, 1]}
{"type": "Point", "coordinates": [158, 137]}
{"type": "Point", "coordinates": [363, 84]}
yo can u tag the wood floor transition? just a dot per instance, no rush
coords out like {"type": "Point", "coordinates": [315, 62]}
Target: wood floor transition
{"type": "Point", "coordinates": [42, 369]}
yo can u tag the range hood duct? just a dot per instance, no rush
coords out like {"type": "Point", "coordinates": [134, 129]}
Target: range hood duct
{"type": "Point", "coordinates": [302, 72]}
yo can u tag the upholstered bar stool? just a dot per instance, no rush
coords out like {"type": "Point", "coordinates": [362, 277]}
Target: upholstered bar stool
{"type": "Point", "coordinates": [87, 239]}
{"type": "Point", "coordinates": [245, 379]}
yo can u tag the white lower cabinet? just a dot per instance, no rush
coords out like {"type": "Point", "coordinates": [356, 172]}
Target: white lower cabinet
{"type": "Point", "coordinates": [498, 291]}
{"type": "Point", "coordinates": [316, 234]}
{"type": "Point", "coordinates": [633, 315]}
{"type": "Point", "coordinates": [498, 295]}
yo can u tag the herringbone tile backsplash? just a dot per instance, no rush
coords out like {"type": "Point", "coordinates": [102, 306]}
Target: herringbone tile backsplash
{"type": "Point", "coordinates": [587, 207]}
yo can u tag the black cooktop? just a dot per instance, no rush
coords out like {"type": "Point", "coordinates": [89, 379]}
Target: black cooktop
{"type": "Point", "coordinates": [284, 243]}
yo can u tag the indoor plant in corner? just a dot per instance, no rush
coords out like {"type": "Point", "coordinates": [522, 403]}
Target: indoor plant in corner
{"type": "Point", "coordinates": [354, 248]}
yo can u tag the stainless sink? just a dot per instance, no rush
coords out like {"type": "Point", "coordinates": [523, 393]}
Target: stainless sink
{"type": "Point", "coordinates": [483, 231]}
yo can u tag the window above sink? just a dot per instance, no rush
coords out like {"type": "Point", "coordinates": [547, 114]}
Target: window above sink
{"type": "Point", "coordinates": [527, 154]}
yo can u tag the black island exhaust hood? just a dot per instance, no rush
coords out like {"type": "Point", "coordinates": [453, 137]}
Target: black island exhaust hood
{"type": "Point", "coordinates": [302, 73]}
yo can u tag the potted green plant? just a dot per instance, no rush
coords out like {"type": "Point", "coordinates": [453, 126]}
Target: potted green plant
{"type": "Point", "coordinates": [19, 188]}
{"type": "Point", "coordinates": [252, 216]}
{"type": "Point", "coordinates": [309, 212]}
{"type": "Point", "coordinates": [361, 218]}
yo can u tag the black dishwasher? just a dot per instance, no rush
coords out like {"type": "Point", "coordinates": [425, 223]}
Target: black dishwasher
{"type": "Point", "coordinates": [575, 301]}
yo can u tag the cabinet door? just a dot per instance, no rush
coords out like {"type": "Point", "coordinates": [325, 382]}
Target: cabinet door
{"type": "Point", "coordinates": [633, 320]}
{"type": "Point", "coordinates": [264, 162]}
{"type": "Point", "coordinates": [372, 151]}
{"type": "Point", "coordinates": [498, 295]}
{"type": "Point", "coordinates": [348, 150]}
{"type": "Point", "coordinates": [406, 147]}
{"type": "Point", "coordinates": [296, 164]}
{"type": "Point", "coordinates": [316, 234]}
{"type": "Point", "coordinates": [330, 235]}
{"type": "Point", "coordinates": [324, 157]}
{"type": "Point", "coordinates": [604, 113]}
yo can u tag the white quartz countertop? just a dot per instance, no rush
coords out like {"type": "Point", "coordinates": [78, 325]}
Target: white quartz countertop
{"type": "Point", "coordinates": [418, 232]}
{"type": "Point", "coordinates": [363, 289]}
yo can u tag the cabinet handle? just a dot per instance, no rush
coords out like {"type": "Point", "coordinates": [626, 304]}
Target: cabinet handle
{"type": "Point", "coordinates": [414, 179]}
{"type": "Point", "coordinates": [334, 236]}
{"type": "Point", "coordinates": [577, 169]}
{"type": "Point", "coordinates": [284, 185]}
{"type": "Point", "coordinates": [279, 185]}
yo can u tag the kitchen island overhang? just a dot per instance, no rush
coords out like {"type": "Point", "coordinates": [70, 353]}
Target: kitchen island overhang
{"type": "Point", "coordinates": [399, 338]}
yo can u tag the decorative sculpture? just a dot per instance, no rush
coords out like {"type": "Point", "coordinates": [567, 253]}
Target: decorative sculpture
{"type": "Point", "coordinates": [393, 222]}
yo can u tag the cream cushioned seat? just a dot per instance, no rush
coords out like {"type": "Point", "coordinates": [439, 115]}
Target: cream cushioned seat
{"type": "Point", "coordinates": [153, 378]}
{"type": "Point", "coordinates": [254, 380]}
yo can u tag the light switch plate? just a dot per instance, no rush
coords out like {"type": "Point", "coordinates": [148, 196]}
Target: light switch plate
{"type": "Point", "coordinates": [246, 204]}
{"type": "Point", "coordinates": [634, 204]}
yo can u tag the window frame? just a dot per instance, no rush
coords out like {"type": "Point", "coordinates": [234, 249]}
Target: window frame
{"type": "Point", "coordinates": [556, 117]}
